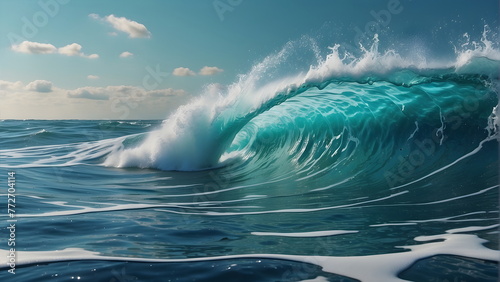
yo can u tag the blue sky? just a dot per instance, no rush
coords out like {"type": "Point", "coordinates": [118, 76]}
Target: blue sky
{"type": "Point", "coordinates": [98, 59]}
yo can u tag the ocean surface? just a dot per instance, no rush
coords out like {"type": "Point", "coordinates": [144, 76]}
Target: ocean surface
{"type": "Point", "coordinates": [372, 167]}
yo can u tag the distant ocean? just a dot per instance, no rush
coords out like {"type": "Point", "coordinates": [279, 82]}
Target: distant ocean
{"type": "Point", "coordinates": [371, 167]}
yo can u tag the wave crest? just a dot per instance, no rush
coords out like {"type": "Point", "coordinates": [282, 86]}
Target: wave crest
{"type": "Point", "coordinates": [198, 134]}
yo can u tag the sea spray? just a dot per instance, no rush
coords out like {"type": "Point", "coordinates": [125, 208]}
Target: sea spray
{"type": "Point", "coordinates": [199, 133]}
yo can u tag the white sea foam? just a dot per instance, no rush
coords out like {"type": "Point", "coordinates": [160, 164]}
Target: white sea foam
{"type": "Point", "coordinates": [306, 234]}
{"type": "Point", "coordinates": [381, 267]}
{"type": "Point", "coordinates": [63, 154]}
{"type": "Point", "coordinates": [471, 50]}
{"type": "Point", "coordinates": [357, 204]}
{"type": "Point", "coordinates": [441, 219]}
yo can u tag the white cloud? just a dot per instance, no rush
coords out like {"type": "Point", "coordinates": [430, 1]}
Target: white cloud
{"type": "Point", "coordinates": [94, 16]}
{"type": "Point", "coordinates": [210, 70]}
{"type": "Point", "coordinates": [29, 47]}
{"type": "Point", "coordinates": [75, 49]}
{"type": "Point", "coordinates": [93, 93]}
{"type": "Point", "coordinates": [93, 77]}
{"type": "Point", "coordinates": [71, 50]}
{"type": "Point", "coordinates": [112, 102]}
{"type": "Point", "coordinates": [132, 93]}
{"type": "Point", "coordinates": [125, 91]}
{"type": "Point", "coordinates": [126, 54]}
{"type": "Point", "coordinates": [183, 72]}
{"type": "Point", "coordinates": [7, 85]}
{"type": "Point", "coordinates": [42, 86]}
{"type": "Point", "coordinates": [166, 92]}
{"type": "Point", "coordinates": [132, 28]}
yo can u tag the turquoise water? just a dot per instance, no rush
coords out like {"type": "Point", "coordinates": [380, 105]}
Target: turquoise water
{"type": "Point", "coordinates": [346, 171]}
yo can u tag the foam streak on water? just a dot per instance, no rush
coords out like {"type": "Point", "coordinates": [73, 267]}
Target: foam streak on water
{"type": "Point", "coordinates": [384, 267]}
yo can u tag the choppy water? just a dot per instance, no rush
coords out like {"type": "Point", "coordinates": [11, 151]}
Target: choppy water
{"type": "Point", "coordinates": [370, 168]}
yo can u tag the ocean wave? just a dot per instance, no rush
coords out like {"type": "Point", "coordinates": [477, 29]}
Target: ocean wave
{"type": "Point", "coordinates": [339, 115]}
{"type": "Point", "coordinates": [321, 108]}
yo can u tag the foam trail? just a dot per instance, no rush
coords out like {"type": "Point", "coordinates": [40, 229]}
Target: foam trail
{"type": "Point", "coordinates": [211, 213]}
{"type": "Point", "coordinates": [123, 207]}
{"type": "Point", "coordinates": [413, 133]}
{"type": "Point", "coordinates": [382, 267]}
{"type": "Point", "coordinates": [473, 152]}
{"type": "Point", "coordinates": [62, 155]}
{"type": "Point", "coordinates": [444, 219]}
{"type": "Point", "coordinates": [306, 234]}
